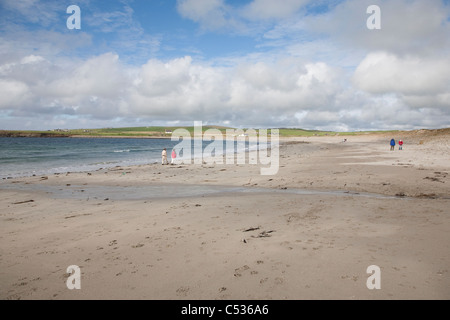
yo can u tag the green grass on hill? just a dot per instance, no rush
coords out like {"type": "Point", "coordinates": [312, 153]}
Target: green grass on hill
{"type": "Point", "coordinates": [161, 132]}
{"type": "Point", "coordinates": [285, 132]}
{"type": "Point", "coordinates": [138, 131]}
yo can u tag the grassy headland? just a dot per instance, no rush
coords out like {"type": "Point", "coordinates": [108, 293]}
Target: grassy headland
{"type": "Point", "coordinates": [160, 132]}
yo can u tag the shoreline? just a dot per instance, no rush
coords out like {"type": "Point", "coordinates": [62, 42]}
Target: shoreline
{"type": "Point", "coordinates": [51, 171]}
{"type": "Point", "coordinates": [312, 145]}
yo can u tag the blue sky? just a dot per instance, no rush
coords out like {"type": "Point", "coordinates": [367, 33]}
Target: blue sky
{"type": "Point", "coordinates": [253, 63]}
{"type": "Point", "coordinates": [167, 33]}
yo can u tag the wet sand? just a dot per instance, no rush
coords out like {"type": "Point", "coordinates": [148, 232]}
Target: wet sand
{"type": "Point", "coordinates": [227, 232]}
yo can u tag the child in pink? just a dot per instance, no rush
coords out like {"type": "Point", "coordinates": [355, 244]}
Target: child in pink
{"type": "Point", "coordinates": [174, 155]}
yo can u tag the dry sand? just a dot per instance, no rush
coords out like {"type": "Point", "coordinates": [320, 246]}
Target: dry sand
{"type": "Point", "coordinates": [227, 232]}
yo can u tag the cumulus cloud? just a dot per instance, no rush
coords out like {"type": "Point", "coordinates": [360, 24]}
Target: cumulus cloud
{"type": "Point", "coordinates": [382, 72]}
{"type": "Point", "coordinates": [175, 89]}
{"type": "Point", "coordinates": [99, 76]}
{"type": "Point", "coordinates": [407, 27]}
{"type": "Point", "coordinates": [12, 93]}
{"type": "Point", "coordinates": [419, 82]}
{"type": "Point", "coordinates": [35, 85]}
{"type": "Point", "coordinates": [260, 94]}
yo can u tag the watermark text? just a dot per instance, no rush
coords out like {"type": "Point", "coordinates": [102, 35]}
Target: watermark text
{"type": "Point", "coordinates": [74, 21]}
{"type": "Point", "coordinates": [221, 147]}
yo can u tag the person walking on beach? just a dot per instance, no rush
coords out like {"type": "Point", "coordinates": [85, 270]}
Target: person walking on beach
{"type": "Point", "coordinates": [400, 145]}
{"type": "Point", "coordinates": [164, 156]}
{"type": "Point", "coordinates": [392, 144]}
{"type": "Point", "coordinates": [174, 155]}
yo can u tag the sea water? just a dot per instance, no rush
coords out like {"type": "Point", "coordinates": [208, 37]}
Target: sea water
{"type": "Point", "coordinates": [21, 157]}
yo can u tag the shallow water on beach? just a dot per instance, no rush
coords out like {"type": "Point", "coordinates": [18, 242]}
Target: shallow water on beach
{"type": "Point", "coordinates": [168, 191]}
{"type": "Point", "coordinates": [25, 157]}
{"type": "Point", "coordinates": [22, 157]}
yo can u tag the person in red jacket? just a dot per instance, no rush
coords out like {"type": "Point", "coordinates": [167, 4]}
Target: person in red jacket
{"type": "Point", "coordinates": [174, 155]}
{"type": "Point", "coordinates": [400, 145]}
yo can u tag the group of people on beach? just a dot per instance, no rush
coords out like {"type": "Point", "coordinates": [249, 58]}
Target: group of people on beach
{"type": "Point", "coordinates": [174, 154]}
{"type": "Point", "coordinates": [164, 156]}
{"type": "Point", "coordinates": [400, 144]}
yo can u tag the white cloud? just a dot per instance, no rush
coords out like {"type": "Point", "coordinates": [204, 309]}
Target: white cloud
{"type": "Point", "coordinates": [421, 82]}
{"type": "Point", "coordinates": [178, 89]}
{"type": "Point", "coordinates": [407, 27]}
{"type": "Point", "coordinates": [31, 59]}
{"type": "Point", "coordinates": [243, 19]}
{"type": "Point", "coordinates": [275, 91]}
{"type": "Point", "coordinates": [34, 11]}
{"type": "Point", "coordinates": [383, 72]}
{"type": "Point", "coordinates": [210, 14]}
{"type": "Point", "coordinates": [93, 87]}
{"type": "Point", "coordinates": [286, 92]}
{"type": "Point", "coordinates": [271, 10]}
{"type": "Point", "coordinates": [13, 94]}
{"type": "Point", "coordinates": [99, 76]}
{"type": "Point", "coordinates": [257, 93]}
{"type": "Point", "coordinates": [159, 79]}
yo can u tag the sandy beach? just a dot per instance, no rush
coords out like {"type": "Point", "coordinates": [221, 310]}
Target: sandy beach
{"type": "Point", "coordinates": [227, 232]}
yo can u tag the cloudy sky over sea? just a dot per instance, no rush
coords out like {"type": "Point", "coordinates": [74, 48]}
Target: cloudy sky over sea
{"type": "Point", "coordinates": [252, 63]}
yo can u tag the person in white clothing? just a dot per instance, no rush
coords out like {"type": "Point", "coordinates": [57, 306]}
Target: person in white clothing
{"type": "Point", "coordinates": [164, 157]}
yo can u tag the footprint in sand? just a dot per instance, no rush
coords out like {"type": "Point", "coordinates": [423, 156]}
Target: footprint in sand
{"type": "Point", "coordinates": [182, 291]}
{"type": "Point", "coordinates": [279, 280]}
{"type": "Point", "coordinates": [112, 243]}
{"type": "Point", "coordinates": [238, 271]}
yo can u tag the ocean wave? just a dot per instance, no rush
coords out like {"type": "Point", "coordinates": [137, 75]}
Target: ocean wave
{"type": "Point", "coordinates": [99, 154]}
